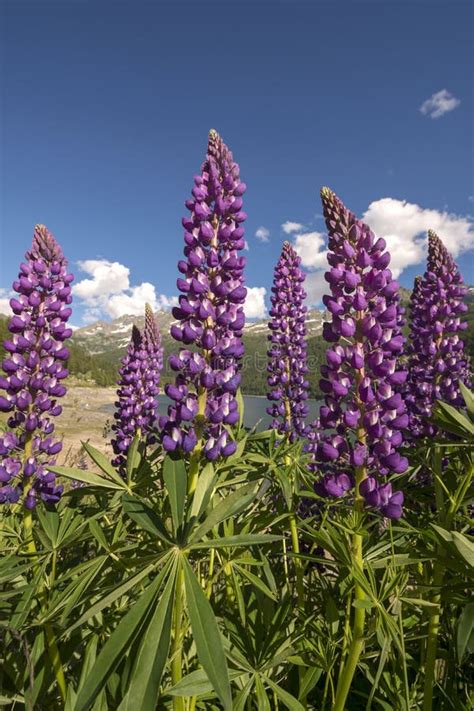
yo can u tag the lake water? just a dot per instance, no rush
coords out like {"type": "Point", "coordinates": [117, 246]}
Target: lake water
{"type": "Point", "coordinates": [254, 412]}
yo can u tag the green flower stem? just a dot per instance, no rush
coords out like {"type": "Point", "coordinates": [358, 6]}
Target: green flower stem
{"type": "Point", "coordinates": [358, 629]}
{"type": "Point", "coordinates": [347, 627]}
{"type": "Point", "coordinates": [194, 470]}
{"type": "Point", "coordinates": [177, 648]}
{"type": "Point", "coordinates": [434, 612]}
{"type": "Point", "coordinates": [195, 460]}
{"type": "Point", "coordinates": [50, 637]}
{"type": "Point", "coordinates": [229, 583]}
{"type": "Point", "coordinates": [298, 562]}
{"type": "Point", "coordinates": [51, 644]}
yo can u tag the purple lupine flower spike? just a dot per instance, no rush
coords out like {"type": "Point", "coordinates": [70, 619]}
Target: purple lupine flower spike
{"type": "Point", "coordinates": [137, 405]}
{"type": "Point", "coordinates": [437, 360]}
{"type": "Point", "coordinates": [34, 373]}
{"type": "Point", "coordinates": [359, 432]}
{"type": "Point", "coordinates": [210, 316]}
{"type": "Point", "coordinates": [152, 340]}
{"type": "Point", "coordinates": [287, 363]}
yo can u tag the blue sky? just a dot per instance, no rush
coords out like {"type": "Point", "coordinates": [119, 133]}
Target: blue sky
{"type": "Point", "coordinates": [106, 108]}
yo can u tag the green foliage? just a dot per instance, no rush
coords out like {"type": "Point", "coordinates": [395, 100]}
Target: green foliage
{"type": "Point", "coordinates": [160, 595]}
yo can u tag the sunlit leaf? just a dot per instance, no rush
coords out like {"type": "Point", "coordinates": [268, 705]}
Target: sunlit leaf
{"type": "Point", "coordinates": [206, 636]}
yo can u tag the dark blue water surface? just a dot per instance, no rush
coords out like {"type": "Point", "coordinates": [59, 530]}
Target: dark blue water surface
{"type": "Point", "coordinates": [254, 410]}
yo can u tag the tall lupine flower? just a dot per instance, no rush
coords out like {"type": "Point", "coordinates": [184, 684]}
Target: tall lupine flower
{"type": "Point", "coordinates": [152, 341]}
{"type": "Point", "coordinates": [287, 364]}
{"type": "Point", "coordinates": [139, 377]}
{"type": "Point", "coordinates": [437, 360]}
{"type": "Point", "coordinates": [34, 372]}
{"type": "Point", "coordinates": [360, 427]}
{"type": "Point", "coordinates": [210, 312]}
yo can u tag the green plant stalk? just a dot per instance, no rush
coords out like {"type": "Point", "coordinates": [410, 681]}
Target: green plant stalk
{"type": "Point", "coordinates": [212, 556]}
{"type": "Point", "coordinates": [229, 583]}
{"type": "Point", "coordinates": [177, 648]}
{"type": "Point", "coordinates": [347, 627]}
{"type": "Point", "coordinates": [298, 562]}
{"type": "Point", "coordinates": [435, 612]}
{"type": "Point", "coordinates": [195, 460]}
{"type": "Point", "coordinates": [294, 540]}
{"type": "Point", "coordinates": [50, 637]}
{"type": "Point", "coordinates": [406, 686]}
{"type": "Point", "coordinates": [357, 643]}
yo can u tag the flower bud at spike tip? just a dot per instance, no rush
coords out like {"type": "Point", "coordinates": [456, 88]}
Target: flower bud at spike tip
{"type": "Point", "coordinates": [287, 363]}
{"type": "Point", "coordinates": [139, 379]}
{"type": "Point", "coordinates": [437, 358]}
{"type": "Point", "coordinates": [359, 424]}
{"type": "Point", "coordinates": [210, 312]}
{"type": "Point", "coordinates": [35, 373]}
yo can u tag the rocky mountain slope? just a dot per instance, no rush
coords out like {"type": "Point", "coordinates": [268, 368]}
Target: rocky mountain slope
{"type": "Point", "coordinates": [105, 336]}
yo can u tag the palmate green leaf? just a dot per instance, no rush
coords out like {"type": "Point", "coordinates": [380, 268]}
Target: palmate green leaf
{"type": "Point", "coordinates": [456, 542]}
{"type": "Point", "coordinates": [152, 655]}
{"type": "Point", "coordinates": [9, 700]}
{"type": "Point", "coordinates": [77, 588]}
{"type": "Point", "coordinates": [88, 478]}
{"type": "Point", "coordinates": [119, 643]}
{"type": "Point", "coordinates": [176, 482]}
{"type": "Point", "coordinates": [465, 547]}
{"type": "Point", "coordinates": [241, 407]}
{"type": "Point", "coordinates": [229, 506]}
{"type": "Point", "coordinates": [452, 420]}
{"type": "Point", "coordinates": [104, 464]}
{"type": "Point", "coordinates": [146, 518]}
{"type": "Point", "coordinates": [197, 684]}
{"type": "Point", "coordinates": [262, 697]}
{"type": "Point", "coordinates": [257, 582]}
{"type": "Point", "coordinates": [27, 600]}
{"type": "Point", "coordinates": [289, 700]}
{"type": "Point", "coordinates": [468, 397]}
{"type": "Point", "coordinates": [418, 602]}
{"type": "Point", "coordinates": [114, 595]}
{"type": "Point", "coordinates": [133, 458]}
{"type": "Point", "coordinates": [68, 598]}
{"type": "Point", "coordinates": [309, 681]}
{"type": "Point", "coordinates": [50, 523]}
{"type": "Point", "coordinates": [240, 701]}
{"type": "Point", "coordinates": [249, 539]}
{"type": "Point", "coordinates": [465, 632]}
{"type": "Point", "coordinates": [90, 657]}
{"type": "Point", "coordinates": [203, 491]}
{"type": "Point", "coordinates": [206, 636]}
{"type": "Point", "coordinates": [238, 595]}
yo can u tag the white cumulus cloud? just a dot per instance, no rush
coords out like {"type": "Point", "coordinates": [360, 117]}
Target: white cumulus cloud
{"type": "Point", "coordinates": [289, 227]}
{"type": "Point", "coordinates": [316, 286]}
{"type": "Point", "coordinates": [5, 296]}
{"type": "Point", "coordinates": [404, 226]}
{"type": "Point", "coordinates": [255, 302]}
{"type": "Point", "coordinates": [262, 234]}
{"type": "Point", "coordinates": [311, 247]}
{"type": "Point", "coordinates": [108, 292]}
{"type": "Point", "coordinates": [440, 103]}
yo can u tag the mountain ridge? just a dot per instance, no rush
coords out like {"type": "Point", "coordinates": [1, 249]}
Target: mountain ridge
{"type": "Point", "coordinates": [103, 336]}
